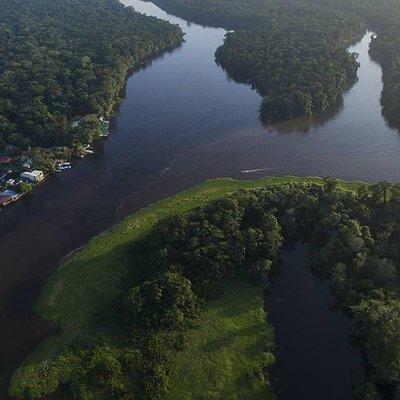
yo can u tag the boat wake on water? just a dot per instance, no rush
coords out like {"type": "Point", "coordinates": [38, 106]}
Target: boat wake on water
{"type": "Point", "coordinates": [356, 162]}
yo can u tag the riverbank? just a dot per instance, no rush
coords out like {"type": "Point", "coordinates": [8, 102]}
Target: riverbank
{"type": "Point", "coordinates": [22, 174]}
{"type": "Point", "coordinates": [44, 127]}
{"type": "Point", "coordinates": [75, 297]}
{"type": "Point", "coordinates": [57, 159]}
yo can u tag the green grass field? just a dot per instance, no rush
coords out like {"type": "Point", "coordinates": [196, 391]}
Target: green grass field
{"type": "Point", "coordinates": [227, 351]}
{"type": "Point", "coordinates": [87, 282]}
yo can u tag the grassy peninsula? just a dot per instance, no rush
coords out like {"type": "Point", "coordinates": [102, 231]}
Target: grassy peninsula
{"type": "Point", "coordinates": [170, 303]}
{"type": "Point", "coordinates": [78, 298]}
{"type": "Point", "coordinates": [172, 298]}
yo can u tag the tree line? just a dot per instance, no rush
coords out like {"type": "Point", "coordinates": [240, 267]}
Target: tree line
{"type": "Point", "coordinates": [59, 60]}
{"type": "Point", "coordinates": [186, 260]}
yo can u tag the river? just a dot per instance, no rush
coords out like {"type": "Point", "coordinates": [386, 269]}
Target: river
{"type": "Point", "coordinates": [182, 121]}
{"type": "Point", "coordinates": [315, 359]}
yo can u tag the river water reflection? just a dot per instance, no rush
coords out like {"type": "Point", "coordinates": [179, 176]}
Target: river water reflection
{"type": "Point", "coordinates": [315, 359]}
{"type": "Point", "coordinates": [182, 121]}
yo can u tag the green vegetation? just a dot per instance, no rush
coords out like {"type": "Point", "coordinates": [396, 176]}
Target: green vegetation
{"type": "Point", "coordinates": [134, 306]}
{"type": "Point", "coordinates": [156, 298]}
{"type": "Point", "coordinates": [78, 296]}
{"type": "Point", "coordinates": [294, 51]}
{"type": "Point", "coordinates": [24, 187]}
{"type": "Point", "coordinates": [227, 345]}
{"type": "Point", "coordinates": [141, 305]}
{"type": "Point", "coordinates": [299, 66]}
{"type": "Point", "coordinates": [63, 59]}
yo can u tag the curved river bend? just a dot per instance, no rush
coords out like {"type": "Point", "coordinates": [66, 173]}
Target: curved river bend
{"type": "Point", "coordinates": [182, 121]}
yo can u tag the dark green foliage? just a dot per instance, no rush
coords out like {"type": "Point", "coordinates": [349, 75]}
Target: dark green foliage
{"type": "Point", "coordinates": [366, 391]}
{"type": "Point", "coordinates": [298, 62]}
{"type": "Point", "coordinates": [166, 301]}
{"type": "Point", "coordinates": [187, 260]}
{"type": "Point", "coordinates": [386, 49]}
{"type": "Point", "coordinates": [354, 237]}
{"type": "Point", "coordinates": [98, 370]}
{"type": "Point", "coordinates": [378, 326]}
{"type": "Point", "coordinates": [62, 59]}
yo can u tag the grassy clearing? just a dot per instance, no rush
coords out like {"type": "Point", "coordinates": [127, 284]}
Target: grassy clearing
{"type": "Point", "coordinates": [227, 351]}
{"type": "Point", "coordinates": [87, 283]}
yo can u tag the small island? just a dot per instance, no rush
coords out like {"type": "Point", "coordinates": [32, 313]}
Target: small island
{"type": "Point", "coordinates": [144, 310]}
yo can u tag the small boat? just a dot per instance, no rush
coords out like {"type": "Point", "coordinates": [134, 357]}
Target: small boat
{"type": "Point", "coordinates": [64, 165]}
{"type": "Point", "coordinates": [62, 168]}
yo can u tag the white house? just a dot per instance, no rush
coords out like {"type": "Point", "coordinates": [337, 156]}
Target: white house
{"type": "Point", "coordinates": [34, 176]}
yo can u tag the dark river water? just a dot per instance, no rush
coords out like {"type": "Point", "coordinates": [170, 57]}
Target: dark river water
{"type": "Point", "coordinates": [315, 359]}
{"type": "Point", "coordinates": [182, 121]}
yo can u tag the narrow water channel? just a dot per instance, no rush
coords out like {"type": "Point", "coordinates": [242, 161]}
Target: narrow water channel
{"type": "Point", "coordinates": [315, 359]}
{"type": "Point", "coordinates": [182, 121]}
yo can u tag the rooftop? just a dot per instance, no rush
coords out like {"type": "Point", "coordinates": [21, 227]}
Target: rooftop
{"type": "Point", "coordinates": [35, 173]}
{"type": "Point", "coordinates": [9, 193]}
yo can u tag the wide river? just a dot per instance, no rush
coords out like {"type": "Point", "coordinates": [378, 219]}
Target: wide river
{"type": "Point", "coordinates": [182, 121]}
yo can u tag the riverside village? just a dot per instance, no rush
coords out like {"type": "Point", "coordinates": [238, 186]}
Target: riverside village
{"type": "Point", "coordinates": [20, 174]}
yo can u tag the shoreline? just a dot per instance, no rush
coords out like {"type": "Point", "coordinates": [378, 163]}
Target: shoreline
{"type": "Point", "coordinates": [14, 163]}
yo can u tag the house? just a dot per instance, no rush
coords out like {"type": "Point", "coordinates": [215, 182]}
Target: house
{"type": "Point", "coordinates": [8, 196]}
{"type": "Point", "coordinates": [34, 176]}
{"type": "Point", "coordinates": [10, 193]}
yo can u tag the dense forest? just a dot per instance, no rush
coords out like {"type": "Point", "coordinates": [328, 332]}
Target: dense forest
{"type": "Point", "coordinates": [299, 64]}
{"type": "Point", "coordinates": [59, 60]}
{"type": "Point", "coordinates": [186, 260]}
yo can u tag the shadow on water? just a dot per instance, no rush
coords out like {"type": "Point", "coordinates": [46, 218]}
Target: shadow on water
{"type": "Point", "coordinates": [315, 359]}
{"type": "Point", "coordinates": [305, 124]}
